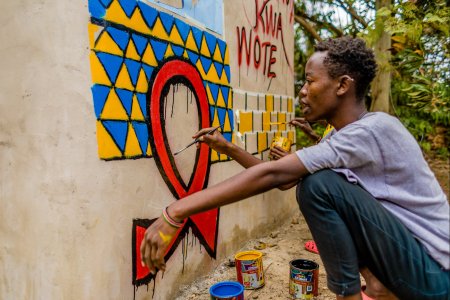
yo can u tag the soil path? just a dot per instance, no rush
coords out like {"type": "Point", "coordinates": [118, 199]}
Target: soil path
{"type": "Point", "coordinates": [280, 247]}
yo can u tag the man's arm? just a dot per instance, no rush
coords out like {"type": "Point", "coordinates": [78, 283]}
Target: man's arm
{"type": "Point", "coordinates": [250, 182]}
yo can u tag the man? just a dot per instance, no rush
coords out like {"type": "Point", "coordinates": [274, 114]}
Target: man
{"type": "Point", "coordinates": [369, 198]}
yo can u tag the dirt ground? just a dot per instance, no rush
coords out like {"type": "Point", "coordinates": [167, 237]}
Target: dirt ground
{"type": "Point", "coordinates": [280, 247]}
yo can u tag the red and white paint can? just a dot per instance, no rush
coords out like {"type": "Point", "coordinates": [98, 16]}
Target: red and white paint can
{"type": "Point", "coordinates": [249, 269]}
{"type": "Point", "coordinates": [303, 279]}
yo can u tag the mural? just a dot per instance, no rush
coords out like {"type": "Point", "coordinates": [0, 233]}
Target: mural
{"type": "Point", "coordinates": [153, 62]}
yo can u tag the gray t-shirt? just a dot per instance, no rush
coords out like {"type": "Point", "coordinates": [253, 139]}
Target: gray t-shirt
{"type": "Point", "coordinates": [378, 153]}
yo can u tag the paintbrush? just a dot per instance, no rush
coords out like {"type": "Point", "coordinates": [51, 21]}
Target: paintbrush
{"type": "Point", "coordinates": [197, 139]}
{"type": "Point", "coordinates": [277, 123]}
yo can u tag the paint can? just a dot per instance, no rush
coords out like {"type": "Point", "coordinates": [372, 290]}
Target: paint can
{"type": "Point", "coordinates": [227, 290]}
{"type": "Point", "coordinates": [303, 279]}
{"type": "Point", "coordinates": [249, 269]}
{"type": "Point", "coordinates": [282, 142]}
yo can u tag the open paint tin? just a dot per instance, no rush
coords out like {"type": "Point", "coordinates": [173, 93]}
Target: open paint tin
{"type": "Point", "coordinates": [303, 279]}
{"type": "Point", "coordinates": [249, 269]}
{"type": "Point", "coordinates": [227, 290]}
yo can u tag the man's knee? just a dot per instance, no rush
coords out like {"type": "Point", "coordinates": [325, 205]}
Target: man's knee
{"type": "Point", "coordinates": [312, 187]}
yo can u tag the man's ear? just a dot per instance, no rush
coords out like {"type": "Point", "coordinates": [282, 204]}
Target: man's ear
{"type": "Point", "coordinates": [345, 82]}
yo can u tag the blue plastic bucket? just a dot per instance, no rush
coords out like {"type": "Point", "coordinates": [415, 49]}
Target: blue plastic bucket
{"type": "Point", "coordinates": [227, 290]}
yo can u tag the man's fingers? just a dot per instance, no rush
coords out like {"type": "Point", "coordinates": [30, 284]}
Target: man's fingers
{"type": "Point", "coordinates": [159, 259]}
{"type": "Point", "coordinates": [202, 131]}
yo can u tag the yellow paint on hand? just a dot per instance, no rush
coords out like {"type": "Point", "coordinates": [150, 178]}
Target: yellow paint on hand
{"type": "Point", "coordinates": [166, 238]}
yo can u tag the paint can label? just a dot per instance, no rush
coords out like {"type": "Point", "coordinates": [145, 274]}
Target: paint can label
{"type": "Point", "coordinates": [249, 269]}
{"type": "Point", "coordinates": [281, 142]}
{"type": "Point", "coordinates": [303, 279]}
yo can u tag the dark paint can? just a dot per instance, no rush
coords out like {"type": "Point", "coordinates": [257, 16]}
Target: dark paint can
{"type": "Point", "coordinates": [227, 290]}
{"type": "Point", "coordinates": [303, 279]}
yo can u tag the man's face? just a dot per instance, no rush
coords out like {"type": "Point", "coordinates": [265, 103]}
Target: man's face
{"type": "Point", "coordinates": [318, 98]}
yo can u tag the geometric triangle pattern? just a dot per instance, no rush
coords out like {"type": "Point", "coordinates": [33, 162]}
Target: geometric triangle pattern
{"type": "Point", "coordinates": [129, 42]}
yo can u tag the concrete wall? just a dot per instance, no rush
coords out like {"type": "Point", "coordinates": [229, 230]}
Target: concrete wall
{"type": "Point", "coordinates": [66, 212]}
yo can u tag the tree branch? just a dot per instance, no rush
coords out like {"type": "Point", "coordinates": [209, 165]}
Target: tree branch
{"type": "Point", "coordinates": [308, 27]}
{"type": "Point", "coordinates": [314, 19]}
{"type": "Point", "coordinates": [352, 12]}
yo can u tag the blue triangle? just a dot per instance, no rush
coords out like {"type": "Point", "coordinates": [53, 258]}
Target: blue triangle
{"type": "Point", "coordinates": [120, 37]}
{"type": "Point", "coordinates": [149, 14]}
{"type": "Point", "coordinates": [221, 112]}
{"type": "Point", "coordinates": [111, 63]}
{"type": "Point", "coordinates": [148, 71]}
{"type": "Point", "coordinates": [126, 97]}
{"type": "Point", "coordinates": [212, 109]}
{"type": "Point", "coordinates": [140, 43]}
{"type": "Point", "coordinates": [133, 69]}
{"type": "Point", "coordinates": [128, 6]}
{"type": "Point", "coordinates": [106, 3]}
{"type": "Point", "coordinates": [96, 9]}
{"type": "Point", "coordinates": [227, 72]}
{"type": "Point", "coordinates": [183, 29]}
{"type": "Point", "coordinates": [225, 91]}
{"type": "Point", "coordinates": [177, 50]}
{"type": "Point", "coordinates": [219, 67]}
{"type": "Point", "coordinates": [222, 47]}
{"type": "Point", "coordinates": [227, 136]}
{"type": "Point", "coordinates": [141, 130]}
{"type": "Point", "coordinates": [159, 48]}
{"type": "Point", "coordinates": [197, 33]}
{"type": "Point", "coordinates": [167, 21]}
{"type": "Point", "coordinates": [142, 99]}
{"type": "Point", "coordinates": [211, 42]}
{"type": "Point", "coordinates": [100, 94]}
{"type": "Point", "coordinates": [118, 131]}
{"type": "Point", "coordinates": [193, 57]}
{"type": "Point", "coordinates": [206, 63]}
{"type": "Point", "coordinates": [231, 118]}
{"type": "Point", "coordinates": [214, 90]}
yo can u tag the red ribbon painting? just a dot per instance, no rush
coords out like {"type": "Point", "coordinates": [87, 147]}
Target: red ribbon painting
{"type": "Point", "coordinates": [204, 225]}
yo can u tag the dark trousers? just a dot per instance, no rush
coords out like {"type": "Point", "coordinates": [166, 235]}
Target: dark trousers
{"type": "Point", "coordinates": [353, 230]}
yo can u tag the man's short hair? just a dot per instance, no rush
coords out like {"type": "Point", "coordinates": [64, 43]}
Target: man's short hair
{"type": "Point", "coordinates": [349, 56]}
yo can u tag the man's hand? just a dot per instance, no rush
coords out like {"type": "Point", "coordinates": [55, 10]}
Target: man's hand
{"type": "Point", "coordinates": [154, 244]}
{"type": "Point", "coordinates": [215, 140]}
{"type": "Point", "coordinates": [277, 152]}
{"type": "Point", "coordinates": [305, 127]}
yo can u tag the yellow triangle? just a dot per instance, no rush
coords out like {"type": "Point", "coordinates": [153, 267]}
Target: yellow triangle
{"type": "Point", "coordinates": [98, 71]}
{"type": "Point", "coordinates": [200, 69]}
{"type": "Point", "coordinates": [223, 156]}
{"type": "Point", "coordinates": [216, 121]}
{"type": "Point", "coordinates": [136, 112]}
{"type": "Point", "coordinates": [217, 56]}
{"type": "Point", "coordinates": [227, 125]}
{"type": "Point", "coordinates": [185, 54]}
{"type": "Point", "coordinates": [107, 149]}
{"type": "Point", "coordinates": [106, 44]}
{"type": "Point", "coordinates": [138, 23]}
{"type": "Point", "coordinates": [123, 79]}
{"type": "Point", "coordinates": [159, 31]}
{"type": "Point", "coordinates": [226, 59]}
{"type": "Point", "coordinates": [169, 52]}
{"type": "Point", "coordinates": [131, 51]}
{"type": "Point", "coordinates": [94, 32]}
{"type": "Point", "coordinates": [149, 150]}
{"type": "Point", "coordinates": [220, 100]}
{"type": "Point", "coordinates": [175, 36]}
{"type": "Point", "coordinates": [116, 14]}
{"type": "Point", "coordinates": [210, 96]}
{"type": "Point", "coordinates": [113, 109]}
{"type": "Point", "coordinates": [142, 82]}
{"type": "Point", "coordinates": [230, 98]}
{"type": "Point", "coordinates": [190, 42]}
{"type": "Point", "coordinates": [224, 79]}
{"type": "Point", "coordinates": [214, 156]}
{"type": "Point", "coordinates": [204, 48]}
{"type": "Point", "coordinates": [149, 57]}
{"type": "Point", "coordinates": [212, 74]}
{"type": "Point", "coordinates": [132, 147]}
